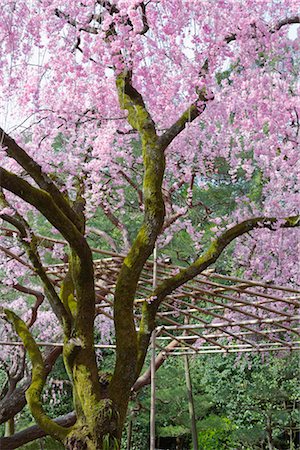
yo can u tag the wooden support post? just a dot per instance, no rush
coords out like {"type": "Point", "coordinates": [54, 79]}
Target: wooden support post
{"type": "Point", "coordinates": [154, 279]}
{"type": "Point", "coordinates": [189, 388]}
{"type": "Point", "coordinates": [153, 396]}
{"type": "Point", "coordinates": [9, 427]}
{"type": "Point", "coordinates": [129, 433]}
{"type": "Point", "coordinates": [191, 402]}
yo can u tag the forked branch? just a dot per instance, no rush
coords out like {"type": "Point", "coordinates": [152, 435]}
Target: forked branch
{"type": "Point", "coordinates": [34, 392]}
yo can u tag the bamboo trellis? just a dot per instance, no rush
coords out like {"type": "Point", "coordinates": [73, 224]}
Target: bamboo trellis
{"type": "Point", "coordinates": [213, 313]}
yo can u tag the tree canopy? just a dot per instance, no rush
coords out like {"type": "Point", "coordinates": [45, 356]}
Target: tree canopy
{"type": "Point", "coordinates": [108, 106]}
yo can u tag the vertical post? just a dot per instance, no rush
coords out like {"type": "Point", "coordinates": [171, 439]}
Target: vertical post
{"type": "Point", "coordinates": [152, 407]}
{"type": "Point", "coordinates": [153, 339]}
{"type": "Point", "coordinates": [189, 388]}
{"type": "Point", "coordinates": [191, 402]}
{"type": "Point", "coordinates": [154, 275]}
{"type": "Point", "coordinates": [129, 433]}
{"type": "Point", "coordinates": [9, 427]}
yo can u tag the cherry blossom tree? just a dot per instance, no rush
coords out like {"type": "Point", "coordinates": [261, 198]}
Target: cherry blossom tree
{"type": "Point", "coordinates": [97, 95]}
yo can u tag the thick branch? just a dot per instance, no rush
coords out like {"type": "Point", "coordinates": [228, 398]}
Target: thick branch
{"type": "Point", "coordinates": [144, 19]}
{"type": "Point", "coordinates": [154, 165]}
{"type": "Point", "coordinates": [12, 404]}
{"type": "Point", "coordinates": [31, 250]}
{"type": "Point", "coordinates": [14, 151]}
{"type": "Point", "coordinates": [215, 250]}
{"type": "Point", "coordinates": [188, 116]}
{"type": "Point", "coordinates": [288, 21]}
{"type": "Point", "coordinates": [44, 203]}
{"type": "Point", "coordinates": [35, 432]}
{"type": "Point", "coordinates": [34, 392]}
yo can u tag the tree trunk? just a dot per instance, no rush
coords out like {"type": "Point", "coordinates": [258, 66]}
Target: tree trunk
{"type": "Point", "coordinates": [105, 435]}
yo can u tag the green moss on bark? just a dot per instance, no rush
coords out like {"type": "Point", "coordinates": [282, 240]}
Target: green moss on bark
{"type": "Point", "coordinates": [33, 394]}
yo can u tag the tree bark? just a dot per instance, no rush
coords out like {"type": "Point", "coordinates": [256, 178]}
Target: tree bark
{"type": "Point", "coordinates": [12, 404]}
{"type": "Point", "coordinates": [35, 432]}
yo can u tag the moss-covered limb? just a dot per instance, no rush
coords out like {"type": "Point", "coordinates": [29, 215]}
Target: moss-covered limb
{"type": "Point", "coordinates": [44, 203]}
{"type": "Point", "coordinates": [11, 405]}
{"type": "Point", "coordinates": [57, 306]}
{"type": "Point", "coordinates": [29, 243]}
{"type": "Point", "coordinates": [84, 277]}
{"type": "Point", "coordinates": [82, 273]}
{"type": "Point", "coordinates": [147, 325]}
{"type": "Point", "coordinates": [132, 101]}
{"type": "Point", "coordinates": [187, 117]}
{"type": "Point", "coordinates": [80, 203]}
{"type": "Point", "coordinates": [105, 435]}
{"type": "Point", "coordinates": [81, 366]}
{"type": "Point", "coordinates": [67, 291]}
{"type": "Point", "coordinates": [215, 250]}
{"type": "Point", "coordinates": [38, 379]}
{"type": "Point", "coordinates": [78, 350]}
{"type": "Point", "coordinates": [35, 171]}
{"type": "Point", "coordinates": [9, 427]}
{"type": "Point", "coordinates": [79, 354]}
{"type": "Point", "coordinates": [154, 166]}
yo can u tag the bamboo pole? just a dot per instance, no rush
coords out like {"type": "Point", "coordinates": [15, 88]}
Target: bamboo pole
{"type": "Point", "coordinates": [154, 281]}
{"type": "Point", "coordinates": [231, 324]}
{"type": "Point", "coordinates": [222, 335]}
{"type": "Point", "coordinates": [153, 393]}
{"type": "Point", "coordinates": [129, 434]}
{"type": "Point", "coordinates": [191, 401]}
{"type": "Point", "coordinates": [153, 357]}
{"type": "Point", "coordinates": [189, 389]}
{"type": "Point", "coordinates": [235, 350]}
{"type": "Point", "coordinates": [9, 427]}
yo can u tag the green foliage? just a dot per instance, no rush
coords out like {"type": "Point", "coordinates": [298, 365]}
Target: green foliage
{"type": "Point", "coordinates": [216, 433]}
{"type": "Point", "coordinates": [110, 443]}
{"type": "Point", "coordinates": [46, 443]}
{"type": "Point", "coordinates": [256, 395]}
{"type": "Point", "coordinates": [235, 400]}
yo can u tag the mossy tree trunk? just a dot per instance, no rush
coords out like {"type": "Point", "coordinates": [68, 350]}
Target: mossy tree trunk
{"type": "Point", "coordinates": [100, 408]}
